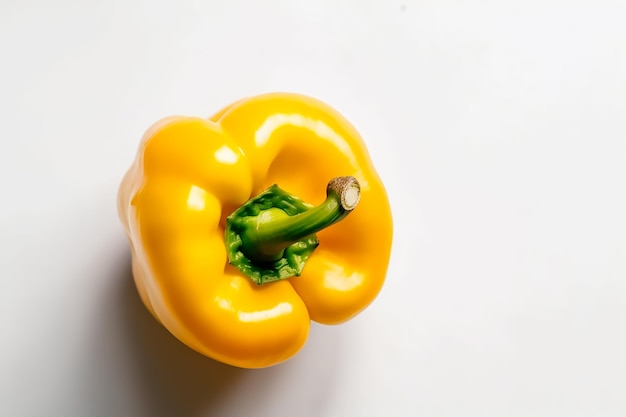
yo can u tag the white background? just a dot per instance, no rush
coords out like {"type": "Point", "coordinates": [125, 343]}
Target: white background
{"type": "Point", "coordinates": [498, 128]}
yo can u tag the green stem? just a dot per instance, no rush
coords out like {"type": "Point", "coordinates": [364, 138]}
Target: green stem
{"type": "Point", "coordinates": [271, 232]}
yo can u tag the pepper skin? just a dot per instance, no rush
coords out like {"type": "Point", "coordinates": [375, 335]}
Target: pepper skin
{"type": "Point", "coordinates": [191, 173]}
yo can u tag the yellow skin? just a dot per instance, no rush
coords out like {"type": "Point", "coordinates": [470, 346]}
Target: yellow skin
{"type": "Point", "coordinates": [191, 173]}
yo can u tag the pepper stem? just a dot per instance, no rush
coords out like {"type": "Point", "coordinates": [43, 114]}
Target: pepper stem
{"type": "Point", "coordinates": [273, 230]}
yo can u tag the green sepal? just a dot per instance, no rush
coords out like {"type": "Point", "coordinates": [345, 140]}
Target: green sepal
{"type": "Point", "coordinates": [293, 258]}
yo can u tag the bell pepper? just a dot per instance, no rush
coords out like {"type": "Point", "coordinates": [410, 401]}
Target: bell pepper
{"type": "Point", "coordinates": [228, 251]}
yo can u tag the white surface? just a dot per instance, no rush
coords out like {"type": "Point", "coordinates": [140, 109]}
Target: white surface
{"type": "Point", "coordinates": [498, 127]}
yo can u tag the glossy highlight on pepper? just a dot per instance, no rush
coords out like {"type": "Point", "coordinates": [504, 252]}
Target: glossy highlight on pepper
{"type": "Point", "coordinates": [191, 174]}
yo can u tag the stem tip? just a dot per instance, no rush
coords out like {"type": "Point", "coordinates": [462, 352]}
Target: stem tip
{"type": "Point", "coordinates": [348, 189]}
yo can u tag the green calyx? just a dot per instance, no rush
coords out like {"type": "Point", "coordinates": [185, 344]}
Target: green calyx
{"type": "Point", "coordinates": [272, 235]}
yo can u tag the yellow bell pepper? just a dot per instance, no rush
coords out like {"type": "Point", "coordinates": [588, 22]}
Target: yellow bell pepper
{"type": "Point", "coordinates": [195, 180]}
